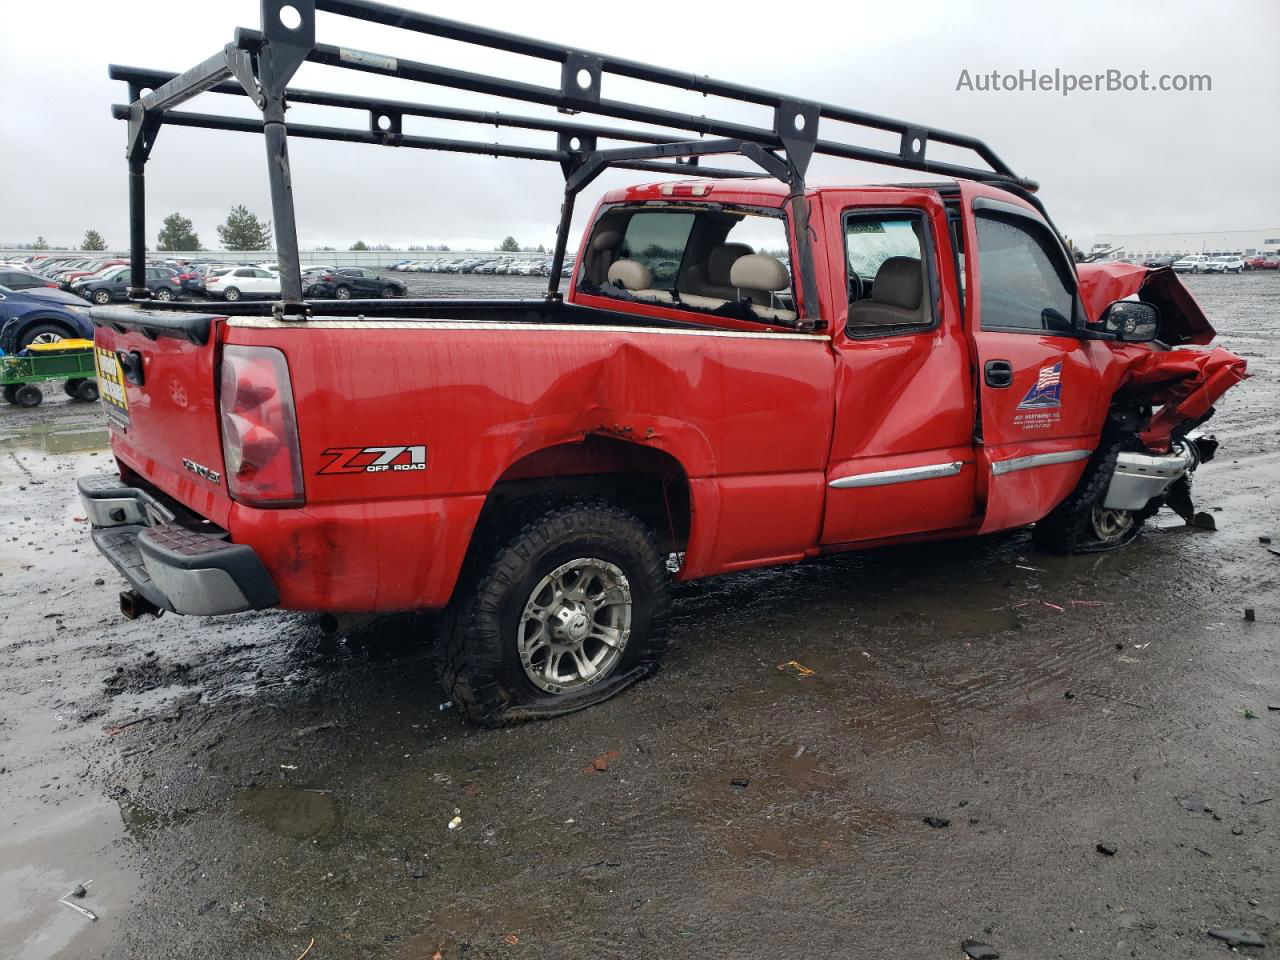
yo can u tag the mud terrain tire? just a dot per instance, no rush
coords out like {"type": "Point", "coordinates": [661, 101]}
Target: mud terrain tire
{"type": "Point", "coordinates": [480, 658]}
{"type": "Point", "coordinates": [1072, 526]}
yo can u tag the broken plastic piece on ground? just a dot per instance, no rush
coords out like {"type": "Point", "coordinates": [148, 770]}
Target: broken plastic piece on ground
{"type": "Point", "coordinates": [1249, 614]}
{"type": "Point", "coordinates": [937, 823]}
{"type": "Point", "coordinates": [1238, 937]}
{"type": "Point", "coordinates": [511, 939]}
{"type": "Point", "coordinates": [1264, 540]}
{"type": "Point", "coordinates": [455, 823]}
{"type": "Point", "coordinates": [744, 782]}
{"type": "Point", "coordinates": [1106, 849]}
{"type": "Point", "coordinates": [796, 667]}
{"type": "Point", "coordinates": [1203, 521]}
{"type": "Point", "coordinates": [979, 951]}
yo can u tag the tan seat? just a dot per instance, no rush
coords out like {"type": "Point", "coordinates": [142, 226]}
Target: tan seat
{"type": "Point", "coordinates": [603, 245]}
{"type": "Point", "coordinates": [711, 279]}
{"type": "Point", "coordinates": [634, 277]}
{"type": "Point", "coordinates": [897, 296]}
{"type": "Point", "coordinates": [758, 277]}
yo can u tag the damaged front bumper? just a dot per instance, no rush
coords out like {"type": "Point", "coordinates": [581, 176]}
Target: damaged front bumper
{"type": "Point", "coordinates": [173, 560]}
{"type": "Point", "coordinates": [1140, 478]}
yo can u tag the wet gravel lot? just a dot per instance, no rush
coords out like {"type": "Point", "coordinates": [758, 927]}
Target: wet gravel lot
{"type": "Point", "coordinates": [243, 787]}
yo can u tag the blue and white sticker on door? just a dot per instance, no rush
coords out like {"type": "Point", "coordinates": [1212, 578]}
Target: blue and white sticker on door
{"type": "Point", "coordinates": [1041, 407]}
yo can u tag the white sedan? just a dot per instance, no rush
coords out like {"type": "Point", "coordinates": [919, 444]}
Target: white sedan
{"type": "Point", "coordinates": [241, 282]}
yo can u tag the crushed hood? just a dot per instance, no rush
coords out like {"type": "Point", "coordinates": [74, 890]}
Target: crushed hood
{"type": "Point", "coordinates": [1101, 284]}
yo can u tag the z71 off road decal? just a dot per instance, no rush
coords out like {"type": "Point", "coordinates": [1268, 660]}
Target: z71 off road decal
{"type": "Point", "coordinates": [391, 459]}
{"type": "Point", "coordinates": [1042, 406]}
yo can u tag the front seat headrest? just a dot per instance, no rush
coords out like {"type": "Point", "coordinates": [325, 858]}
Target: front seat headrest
{"type": "Point", "coordinates": [631, 274]}
{"type": "Point", "coordinates": [721, 260]}
{"type": "Point", "coordinates": [759, 271]}
{"type": "Point", "coordinates": [606, 240]}
{"type": "Point", "coordinates": [898, 283]}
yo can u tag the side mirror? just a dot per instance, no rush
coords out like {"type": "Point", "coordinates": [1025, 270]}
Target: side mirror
{"type": "Point", "coordinates": [1132, 321]}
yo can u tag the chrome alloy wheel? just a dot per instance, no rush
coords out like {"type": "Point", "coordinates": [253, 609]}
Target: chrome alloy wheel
{"type": "Point", "coordinates": [575, 625]}
{"type": "Point", "coordinates": [1111, 525]}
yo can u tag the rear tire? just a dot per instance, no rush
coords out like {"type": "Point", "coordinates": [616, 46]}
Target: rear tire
{"type": "Point", "coordinates": [1081, 524]}
{"type": "Point", "coordinates": [163, 295]}
{"type": "Point", "coordinates": [575, 598]}
{"type": "Point", "coordinates": [11, 392]}
{"type": "Point", "coordinates": [343, 293]}
{"type": "Point", "coordinates": [231, 294]}
{"type": "Point", "coordinates": [28, 395]}
{"type": "Point", "coordinates": [71, 386]}
{"type": "Point", "coordinates": [87, 391]}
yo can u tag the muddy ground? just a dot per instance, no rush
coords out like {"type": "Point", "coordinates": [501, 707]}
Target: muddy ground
{"type": "Point", "coordinates": [241, 787]}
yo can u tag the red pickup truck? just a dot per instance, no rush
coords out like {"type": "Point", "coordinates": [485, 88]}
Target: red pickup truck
{"type": "Point", "coordinates": [742, 373]}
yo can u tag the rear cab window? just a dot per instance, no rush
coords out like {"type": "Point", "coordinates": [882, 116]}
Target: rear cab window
{"type": "Point", "coordinates": [719, 260]}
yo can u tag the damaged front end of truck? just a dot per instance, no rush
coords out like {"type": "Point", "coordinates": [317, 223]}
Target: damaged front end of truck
{"type": "Point", "coordinates": [1163, 391]}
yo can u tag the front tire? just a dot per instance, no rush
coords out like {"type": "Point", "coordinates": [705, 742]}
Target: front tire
{"type": "Point", "coordinates": [43, 333]}
{"type": "Point", "coordinates": [28, 395]}
{"type": "Point", "coordinates": [389, 292]}
{"type": "Point", "coordinates": [570, 610]}
{"type": "Point", "coordinates": [343, 293]}
{"type": "Point", "coordinates": [231, 294]}
{"type": "Point", "coordinates": [101, 297]}
{"type": "Point", "coordinates": [1081, 524]}
{"type": "Point", "coordinates": [87, 392]}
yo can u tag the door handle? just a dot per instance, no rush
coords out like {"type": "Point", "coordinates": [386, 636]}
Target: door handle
{"type": "Point", "coordinates": [998, 373]}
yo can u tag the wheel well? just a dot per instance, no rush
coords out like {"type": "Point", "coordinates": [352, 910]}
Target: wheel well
{"type": "Point", "coordinates": [58, 322]}
{"type": "Point", "coordinates": [642, 480]}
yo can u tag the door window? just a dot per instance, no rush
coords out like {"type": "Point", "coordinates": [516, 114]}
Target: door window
{"type": "Point", "coordinates": [1025, 286]}
{"type": "Point", "coordinates": [886, 259]}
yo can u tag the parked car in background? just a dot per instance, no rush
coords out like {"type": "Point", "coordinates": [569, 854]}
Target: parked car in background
{"type": "Point", "coordinates": [1228, 264]}
{"type": "Point", "coordinates": [102, 289]}
{"type": "Point", "coordinates": [1266, 261]}
{"type": "Point", "coordinates": [235, 283]}
{"type": "Point", "coordinates": [1194, 263]}
{"type": "Point", "coordinates": [16, 279]}
{"type": "Point", "coordinates": [1160, 262]}
{"type": "Point", "coordinates": [68, 277]}
{"type": "Point", "coordinates": [358, 282]}
{"type": "Point", "coordinates": [41, 315]}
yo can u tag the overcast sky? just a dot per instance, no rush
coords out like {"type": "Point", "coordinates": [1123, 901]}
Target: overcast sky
{"type": "Point", "coordinates": [1107, 162]}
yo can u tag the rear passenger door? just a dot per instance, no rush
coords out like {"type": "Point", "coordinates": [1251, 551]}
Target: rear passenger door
{"type": "Point", "coordinates": [1041, 406]}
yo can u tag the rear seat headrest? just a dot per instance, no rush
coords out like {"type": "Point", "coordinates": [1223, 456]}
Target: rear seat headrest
{"type": "Point", "coordinates": [759, 271]}
{"type": "Point", "coordinates": [632, 274]}
{"type": "Point", "coordinates": [721, 260]}
{"type": "Point", "coordinates": [606, 240]}
{"type": "Point", "coordinates": [898, 283]}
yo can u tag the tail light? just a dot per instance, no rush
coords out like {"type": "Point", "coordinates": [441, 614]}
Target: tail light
{"type": "Point", "coordinates": [259, 428]}
{"type": "Point", "coordinates": [328, 278]}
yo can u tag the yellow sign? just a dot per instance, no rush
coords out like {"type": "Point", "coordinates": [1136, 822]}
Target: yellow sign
{"type": "Point", "coordinates": [111, 386]}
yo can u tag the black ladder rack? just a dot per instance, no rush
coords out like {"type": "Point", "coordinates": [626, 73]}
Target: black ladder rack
{"type": "Point", "coordinates": [260, 64]}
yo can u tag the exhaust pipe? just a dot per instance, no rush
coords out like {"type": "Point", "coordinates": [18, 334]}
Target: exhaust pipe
{"type": "Point", "coordinates": [332, 624]}
{"type": "Point", "coordinates": [134, 605]}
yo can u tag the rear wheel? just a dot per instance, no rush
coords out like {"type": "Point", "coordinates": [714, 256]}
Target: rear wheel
{"type": "Point", "coordinates": [71, 386]}
{"type": "Point", "coordinates": [28, 395]}
{"type": "Point", "coordinates": [163, 294]}
{"type": "Point", "coordinates": [343, 293]}
{"type": "Point", "coordinates": [231, 293]}
{"type": "Point", "coordinates": [11, 392]}
{"type": "Point", "coordinates": [1081, 524]}
{"type": "Point", "coordinates": [570, 610]}
{"type": "Point", "coordinates": [87, 391]}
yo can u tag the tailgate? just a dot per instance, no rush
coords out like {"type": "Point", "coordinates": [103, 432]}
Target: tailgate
{"type": "Point", "coordinates": [157, 380]}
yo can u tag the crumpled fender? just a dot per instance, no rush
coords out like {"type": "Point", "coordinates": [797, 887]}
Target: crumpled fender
{"type": "Point", "coordinates": [1183, 321]}
{"type": "Point", "coordinates": [1186, 384]}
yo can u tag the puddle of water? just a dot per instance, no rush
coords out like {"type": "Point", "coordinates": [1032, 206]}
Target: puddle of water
{"type": "Point", "coordinates": [301, 814]}
{"type": "Point", "coordinates": [57, 438]}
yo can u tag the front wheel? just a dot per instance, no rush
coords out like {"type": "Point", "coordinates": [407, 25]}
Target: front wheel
{"type": "Point", "coordinates": [28, 395]}
{"type": "Point", "coordinates": [231, 293]}
{"type": "Point", "coordinates": [571, 610]}
{"type": "Point", "coordinates": [1081, 524]}
{"type": "Point", "coordinates": [87, 391]}
{"type": "Point", "coordinates": [11, 392]}
{"type": "Point", "coordinates": [388, 292]}
{"type": "Point", "coordinates": [343, 293]}
{"type": "Point", "coordinates": [101, 297]}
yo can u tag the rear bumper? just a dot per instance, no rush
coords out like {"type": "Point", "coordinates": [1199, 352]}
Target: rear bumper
{"type": "Point", "coordinates": [177, 562]}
